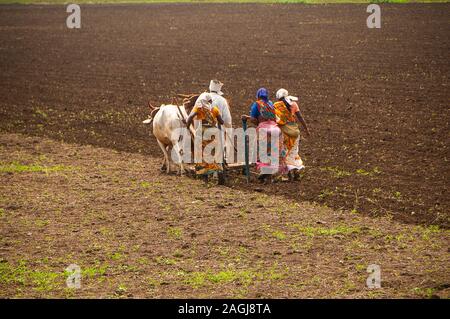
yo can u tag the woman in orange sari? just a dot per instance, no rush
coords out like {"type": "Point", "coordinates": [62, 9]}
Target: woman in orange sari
{"type": "Point", "coordinates": [288, 114]}
{"type": "Point", "coordinates": [209, 116]}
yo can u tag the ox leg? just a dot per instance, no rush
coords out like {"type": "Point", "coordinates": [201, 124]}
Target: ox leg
{"type": "Point", "coordinates": [177, 149]}
{"type": "Point", "coordinates": [166, 157]}
{"type": "Point", "coordinates": [169, 152]}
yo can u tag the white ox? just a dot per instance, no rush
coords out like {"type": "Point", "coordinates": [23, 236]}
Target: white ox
{"type": "Point", "coordinates": [166, 120]}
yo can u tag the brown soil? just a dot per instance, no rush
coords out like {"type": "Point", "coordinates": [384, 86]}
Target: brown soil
{"type": "Point", "coordinates": [373, 98]}
{"type": "Point", "coordinates": [139, 233]}
{"type": "Point", "coordinates": [376, 101]}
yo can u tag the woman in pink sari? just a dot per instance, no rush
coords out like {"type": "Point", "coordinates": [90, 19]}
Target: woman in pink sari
{"type": "Point", "coordinates": [272, 160]}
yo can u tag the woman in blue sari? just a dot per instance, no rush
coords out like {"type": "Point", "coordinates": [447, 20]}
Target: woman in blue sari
{"type": "Point", "coordinates": [262, 114]}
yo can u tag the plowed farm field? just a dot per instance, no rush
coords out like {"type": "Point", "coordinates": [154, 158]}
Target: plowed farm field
{"type": "Point", "coordinates": [78, 165]}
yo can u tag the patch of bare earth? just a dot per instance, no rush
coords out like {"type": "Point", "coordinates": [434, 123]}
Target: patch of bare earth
{"type": "Point", "coordinates": [136, 232]}
{"type": "Point", "coordinates": [376, 100]}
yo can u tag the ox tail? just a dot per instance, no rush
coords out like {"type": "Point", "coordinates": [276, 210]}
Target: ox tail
{"type": "Point", "coordinates": [153, 111]}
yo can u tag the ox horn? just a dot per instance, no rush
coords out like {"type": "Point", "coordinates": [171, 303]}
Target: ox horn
{"type": "Point", "coordinates": [186, 96]}
{"type": "Point", "coordinates": [175, 101]}
{"type": "Point", "coordinates": [151, 107]}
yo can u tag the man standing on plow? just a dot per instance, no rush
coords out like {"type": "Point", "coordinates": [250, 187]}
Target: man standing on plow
{"type": "Point", "coordinates": [209, 117]}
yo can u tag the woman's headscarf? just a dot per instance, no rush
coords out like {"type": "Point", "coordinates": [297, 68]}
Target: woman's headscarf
{"type": "Point", "coordinates": [262, 94]}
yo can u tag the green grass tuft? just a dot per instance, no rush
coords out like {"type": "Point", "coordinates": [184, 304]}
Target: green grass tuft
{"type": "Point", "coordinates": [243, 277]}
{"type": "Point", "coordinates": [16, 167]}
{"type": "Point", "coordinates": [175, 232]}
{"type": "Point", "coordinates": [40, 280]}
